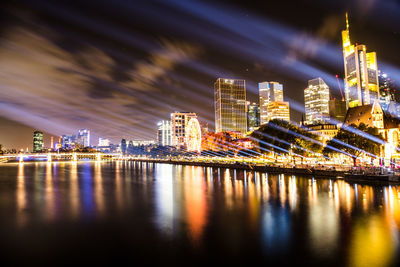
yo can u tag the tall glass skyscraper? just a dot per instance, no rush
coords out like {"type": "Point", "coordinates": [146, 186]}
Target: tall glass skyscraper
{"type": "Point", "coordinates": [230, 105]}
{"type": "Point", "coordinates": [361, 72]}
{"type": "Point", "coordinates": [272, 105]}
{"type": "Point", "coordinates": [37, 141]}
{"type": "Point", "coordinates": [253, 116]}
{"type": "Point", "coordinates": [316, 99]}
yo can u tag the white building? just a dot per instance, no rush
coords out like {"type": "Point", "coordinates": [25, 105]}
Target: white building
{"type": "Point", "coordinates": [104, 142]}
{"type": "Point", "coordinates": [164, 133]}
{"type": "Point", "coordinates": [316, 99]}
{"type": "Point", "coordinates": [272, 105]}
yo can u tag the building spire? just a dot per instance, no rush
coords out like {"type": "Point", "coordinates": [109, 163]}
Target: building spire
{"type": "Point", "coordinates": [347, 21]}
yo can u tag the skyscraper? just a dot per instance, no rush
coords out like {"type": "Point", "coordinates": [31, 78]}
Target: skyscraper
{"type": "Point", "coordinates": [316, 100]}
{"type": "Point", "coordinates": [230, 105]}
{"type": "Point", "coordinates": [386, 90]}
{"type": "Point", "coordinates": [179, 122]}
{"type": "Point", "coordinates": [164, 134]}
{"type": "Point", "coordinates": [269, 92]}
{"type": "Point", "coordinates": [84, 137]}
{"type": "Point", "coordinates": [37, 141]}
{"type": "Point", "coordinates": [253, 116]}
{"type": "Point", "coordinates": [361, 72]}
{"type": "Point", "coordinates": [68, 141]}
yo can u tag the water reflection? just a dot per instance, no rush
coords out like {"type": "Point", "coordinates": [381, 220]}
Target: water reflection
{"type": "Point", "coordinates": [322, 219]}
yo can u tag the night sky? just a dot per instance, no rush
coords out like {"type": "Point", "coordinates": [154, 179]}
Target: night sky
{"type": "Point", "coordinates": [118, 67]}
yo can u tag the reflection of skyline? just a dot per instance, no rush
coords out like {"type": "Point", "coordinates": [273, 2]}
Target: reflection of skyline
{"type": "Point", "coordinates": [331, 213]}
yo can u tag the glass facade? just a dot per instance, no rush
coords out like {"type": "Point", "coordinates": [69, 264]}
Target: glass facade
{"type": "Point", "coordinates": [230, 105]}
{"type": "Point", "coordinates": [361, 72]}
{"type": "Point", "coordinates": [278, 110]}
{"type": "Point", "coordinates": [253, 116]}
{"type": "Point", "coordinates": [37, 141]}
{"type": "Point", "coordinates": [269, 92]}
{"type": "Point", "coordinates": [316, 99]}
{"type": "Point", "coordinates": [84, 137]}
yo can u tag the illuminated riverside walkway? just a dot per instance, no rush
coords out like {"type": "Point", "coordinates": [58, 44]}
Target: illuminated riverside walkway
{"type": "Point", "coordinates": [339, 172]}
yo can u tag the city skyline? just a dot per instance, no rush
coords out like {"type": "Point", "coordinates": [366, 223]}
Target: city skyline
{"type": "Point", "coordinates": [194, 95]}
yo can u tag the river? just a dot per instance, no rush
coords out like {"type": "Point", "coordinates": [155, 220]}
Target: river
{"type": "Point", "coordinates": [117, 212]}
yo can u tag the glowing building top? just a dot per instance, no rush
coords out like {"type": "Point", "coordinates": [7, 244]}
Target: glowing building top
{"type": "Point", "coordinates": [361, 72]}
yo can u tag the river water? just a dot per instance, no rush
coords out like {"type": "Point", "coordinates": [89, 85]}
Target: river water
{"type": "Point", "coordinates": [125, 212]}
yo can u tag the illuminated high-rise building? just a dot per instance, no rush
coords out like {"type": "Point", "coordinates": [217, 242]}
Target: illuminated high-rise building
{"type": "Point", "coordinates": [84, 137]}
{"type": "Point", "coordinates": [278, 110]}
{"type": "Point", "coordinates": [253, 116]}
{"type": "Point", "coordinates": [230, 105]}
{"type": "Point", "coordinates": [361, 72]}
{"type": "Point", "coordinates": [316, 100]}
{"type": "Point", "coordinates": [179, 122]}
{"type": "Point", "coordinates": [386, 90]}
{"type": "Point", "coordinates": [268, 92]}
{"type": "Point", "coordinates": [68, 141]}
{"type": "Point", "coordinates": [37, 141]}
{"type": "Point", "coordinates": [164, 133]}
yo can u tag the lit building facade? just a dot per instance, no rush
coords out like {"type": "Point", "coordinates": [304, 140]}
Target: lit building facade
{"type": "Point", "coordinates": [253, 116]}
{"type": "Point", "coordinates": [268, 92]}
{"type": "Point", "coordinates": [103, 142]}
{"type": "Point", "coordinates": [278, 110]}
{"type": "Point", "coordinates": [37, 141]}
{"type": "Point", "coordinates": [230, 105]}
{"type": "Point", "coordinates": [361, 72]}
{"type": "Point", "coordinates": [164, 133]}
{"type": "Point", "coordinates": [68, 141]}
{"type": "Point", "coordinates": [316, 100]}
{"type": "Point", "coordinates": [179, 122]}
{"type": "Point", "coordinates": [84, 137]}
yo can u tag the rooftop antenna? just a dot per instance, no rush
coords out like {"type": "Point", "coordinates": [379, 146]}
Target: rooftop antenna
{"type": "Point", "coordinates": [337, 79]}
{"type": "Point", "coordinates": [347, 21]}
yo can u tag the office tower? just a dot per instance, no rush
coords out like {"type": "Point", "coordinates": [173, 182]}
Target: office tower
{"type": "Point", "coordinates": [123, 146]}
{"type": "Point", "coordinates": [164, 133]}
{"type": "Point", "coordinates": [337, 110]}
{"type": "Point", "coordinates": [68, 141]}
{"type": "Point", "coordinates": [386, 90]}
{"type": "Point", "coordinates": [230, 105]}
{"type": "Point", "coordinates": [253, 116]}
{"type": "Point", "coordinates": [84, 137]}
{"type": "Point", "coordinates": [268, 92]}
{"type": "Point", "coordinates": [316, 100]}
{"type": "Point", "coordinates": [179, 122]}
{"type": "Point", "coordinates": [37, 141]}
{"type": "Point", "coordinates": [278, 110]}
{"type": "Point", "coordinates": [52, 142]}
{"type": "Point", "coordinates": [103, 142]}
{"type": "Point", "coordinates": [361, 72]}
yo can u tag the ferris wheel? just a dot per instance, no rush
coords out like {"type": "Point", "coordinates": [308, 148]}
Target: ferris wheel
{"type": "Point", "coordinates": [193, 135]}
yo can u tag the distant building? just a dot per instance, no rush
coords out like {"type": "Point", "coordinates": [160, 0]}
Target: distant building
{"type": "Point", "coordinates": [253, 116]}
{"type": "Point", "coordinates": [268, 92]}
{"type": "Point", "coordinates": [68, 141]}
{"type": "Point", "coordinates": [37, 141]}
{"type": "Point", "coordinates": [143, 142]}
{"type": "Point", "coordinates": [279, 110]}
{"type": "Point", "coordinates": [361, 72]}
{"type": "Point", "coordinates": [84, 137]}
{"type": "Point", "coordinates": [230, 105]}
{"type": "Point", "coordinates": [179, 122]}
{"type": "Point", "coordinates": [164, 133]}
{"type": "Point", "coordinates": [104, 142]}
{"type": "Point", "coordinates": [316, 100]}
{"type": "Point", "coordinates": [123, 146]}
{"type": "Point", "coordinates": [337, 110]}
